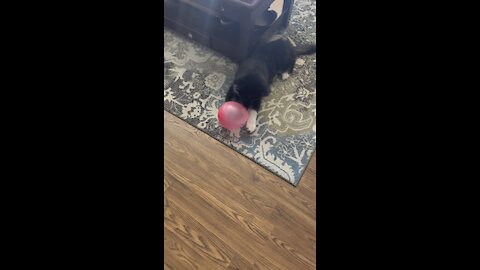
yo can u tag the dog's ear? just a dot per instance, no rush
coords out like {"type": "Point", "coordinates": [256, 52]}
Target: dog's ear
{"type": "Point", "coordinates": [235, 89]}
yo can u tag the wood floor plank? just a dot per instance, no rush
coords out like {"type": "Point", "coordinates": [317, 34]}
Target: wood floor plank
{"type": "Point", "coordinates": [263, 263]}
{"type": "Point", "coordinates": [195, 235]}
{"type": "Point", "coordinates": [166, 183]}
{"type": "Point", "coordinates": [176, 256]}
{"type": "Point", "coordinates": [225, 161]}
{"type": "Point", "coordinates": [239, 263]}
{"type": "Point", "coordinates": [243, 220]}
{"type": "Point", "coordinates": [244, 241]}
{"type": "Point", "coordinates": [181, 255]}
{"type": "Point", "coordinates": [294, 238]}
{"type": "Point", "coordinates": [297, 257]}
{"type": "Point", "coordinates": [230, 212]}
{"type": "Point", "coordinates": [166, 266]}
{"type": "Point", "coordinates": [215, 220]}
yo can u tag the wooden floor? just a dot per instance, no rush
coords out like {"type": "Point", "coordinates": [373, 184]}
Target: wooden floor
{"type": "Point", "coordinates": [223, 211]}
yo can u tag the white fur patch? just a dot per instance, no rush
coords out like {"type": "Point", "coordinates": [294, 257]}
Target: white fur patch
{"type": "Point", "coordinates": [252, 121]}
{"type": "Point", "coordinates": [235, 133]}
{"type": "Point", "coordinates": [285, 76]}
{"type": "Point", "coordinates": [275, 37]}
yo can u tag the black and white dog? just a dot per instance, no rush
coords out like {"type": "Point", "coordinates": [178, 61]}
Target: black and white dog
{"type": "Point", "coordinates": [255, 74]}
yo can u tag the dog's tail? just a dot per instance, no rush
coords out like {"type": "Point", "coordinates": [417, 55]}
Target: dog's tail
{"type": "Point", "coordinates": [305, 49]}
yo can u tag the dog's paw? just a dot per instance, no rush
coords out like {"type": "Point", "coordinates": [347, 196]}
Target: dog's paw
{"type": "Point", "coordinates": [251, 124]}
{"type": "Point", "coordinates": [235, 133]}
{"type": "Point", "coordinates": [252, 121]}
{"type": "Point", "coordinates": [285, 76]}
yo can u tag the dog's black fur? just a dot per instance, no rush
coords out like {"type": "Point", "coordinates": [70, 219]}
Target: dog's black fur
{"type": "Point", "coordinates": [255, 74]}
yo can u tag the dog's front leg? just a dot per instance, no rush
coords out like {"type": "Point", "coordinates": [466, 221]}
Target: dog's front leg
{"type": "Point", "coordinates": [252, 120]}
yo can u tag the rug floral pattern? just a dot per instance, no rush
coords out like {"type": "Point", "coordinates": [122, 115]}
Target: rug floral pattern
{"type": "Point", "coordinates": [197, 79]}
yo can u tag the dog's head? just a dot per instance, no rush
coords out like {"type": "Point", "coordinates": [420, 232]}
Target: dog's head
{"type": "Point", "coordinates": [248, 91]}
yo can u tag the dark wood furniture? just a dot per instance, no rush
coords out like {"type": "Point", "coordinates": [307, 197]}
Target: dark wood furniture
{"type": "Point", "coordinates": [232, 27]}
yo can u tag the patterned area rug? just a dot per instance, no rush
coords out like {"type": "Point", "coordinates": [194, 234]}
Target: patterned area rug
{"type": "Point", "coordinates": [198, 78]}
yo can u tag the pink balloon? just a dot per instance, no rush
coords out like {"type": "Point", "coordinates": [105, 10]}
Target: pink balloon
{"type": "Point", "coordinates": [232, 115]}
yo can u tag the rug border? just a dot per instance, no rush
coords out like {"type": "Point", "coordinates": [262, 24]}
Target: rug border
{"type": "Point", "coordinates": [263, 166]}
